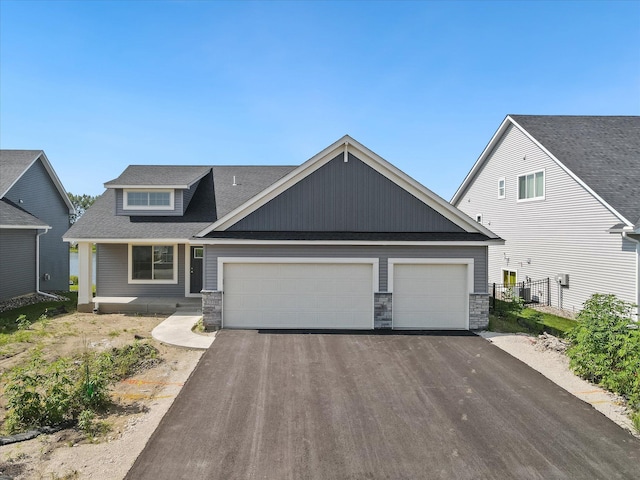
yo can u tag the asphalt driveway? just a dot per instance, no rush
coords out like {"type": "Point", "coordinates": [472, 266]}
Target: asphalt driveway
{"type": "Point", "coordinates": [351, 406]}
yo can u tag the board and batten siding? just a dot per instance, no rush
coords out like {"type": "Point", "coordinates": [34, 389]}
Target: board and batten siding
{"type": "Point", "coordinates": [383, 253]}
{"type": "Point", "coordinates": [346, 197]}
{"type": "Point", "coordinates": [36, 193]}
{"type": "Point", "coordinates": [178, 209]}
{"type": "Point", "coordinates": [566, 232]}
{"type": "Point", "coordinates": [112, 273]}
{"type": "Point", "coordinates": [18, 262]}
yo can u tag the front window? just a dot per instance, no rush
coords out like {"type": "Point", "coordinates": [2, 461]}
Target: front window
{"type": "Point", "coordinates": [148, 199]}
{"type": "Point", "coordinates": [531, 186]}
{"type": "Point", "coordinates": [152, 264]}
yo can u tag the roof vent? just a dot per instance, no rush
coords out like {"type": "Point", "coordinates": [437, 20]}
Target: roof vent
{"type": "Point", "coordinates": [234, 181]}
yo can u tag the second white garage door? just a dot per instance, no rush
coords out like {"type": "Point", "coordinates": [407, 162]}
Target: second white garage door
{"type": "Point", "coordinates": [298, 295]}
{"type": "Point", "coordinates": [430, 296]}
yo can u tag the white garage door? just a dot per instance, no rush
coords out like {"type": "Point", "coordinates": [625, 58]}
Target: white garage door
{"type": "Point", "coordinates": [298, 295]}
{"type": "Point", "coordinates": [430, 296]}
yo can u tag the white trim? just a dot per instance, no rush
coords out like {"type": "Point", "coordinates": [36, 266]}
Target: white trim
{"type": "Point", "coordinates": [148, 187]}
{"type": "Point", "coordinates": [544, 186]}
{"type": "Point", "coordinates": [52, 174]}
{"type": "Point", "coordinates": [125, 198]}
{"type": "Point", "coordinates": [348, 145]}
{"type": "Point", "coordinates": [232, 241]}
{"type": "Point", "coordinates": [514, 270]}
{"type": "Point", "coordinates": [504, 188]}
{"type": "Point", "coordinates": [176, 259]}
{"type": "Point", "coordinates": [496, 137]}
{"type": "Point", "coordinates": [434, 261]}
{"type": "Point", "coordinates": [187, 270]}
{"type": "Point", "coordinates": [26, 227]}
{"type": "Point", "coordinates": [375, 262]}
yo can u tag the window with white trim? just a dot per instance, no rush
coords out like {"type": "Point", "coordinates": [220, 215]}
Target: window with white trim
{"type": "Point", "coordinates": [501, 188]}
{"type": "Point", "coordinates": [152, 264]}
{"type": "Point", "coordinates": [152, 199]}
{"type": "Point", "coordinates": [531, 186]}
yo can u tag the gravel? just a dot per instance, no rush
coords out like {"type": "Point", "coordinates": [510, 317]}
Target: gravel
{"type": "Point", "coordinates": [30, 299]}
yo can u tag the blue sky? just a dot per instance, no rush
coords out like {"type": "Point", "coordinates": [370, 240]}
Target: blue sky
{"type": "Point", "coordinates": [99, 85]}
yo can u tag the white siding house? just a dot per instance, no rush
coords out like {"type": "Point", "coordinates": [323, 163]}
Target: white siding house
{"type": "Point", "coordinates": [564, 194]}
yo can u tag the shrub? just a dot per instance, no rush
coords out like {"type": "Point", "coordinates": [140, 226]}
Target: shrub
{"type": "Point", "coordinates": [73, 279]}
{"type": "Point", "coordinates": [605, 350]}
{"type": "Point", "coordinates": [48, 393]}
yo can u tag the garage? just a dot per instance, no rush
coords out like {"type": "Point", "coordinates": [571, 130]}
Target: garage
{"type": "Point", "coordinates": [336, 294]}
{"type": "Point", "coordinates": [431, 295]}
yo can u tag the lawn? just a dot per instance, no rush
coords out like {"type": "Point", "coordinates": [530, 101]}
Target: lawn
{"type": "Point", "coordinates": [507, 319]}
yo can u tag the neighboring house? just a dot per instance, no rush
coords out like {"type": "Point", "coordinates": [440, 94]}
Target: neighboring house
{"type": "Point", "coordinates": [34, 214]}
{"type": "Point", "coordinates": [345, 240]}
{"type": "Point", "coordinates": [564, 194]}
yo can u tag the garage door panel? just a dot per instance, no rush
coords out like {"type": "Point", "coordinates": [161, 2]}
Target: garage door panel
{"type": "Point", "coordinates": [298, 295]}
{"type": "Point", "coordinates": [430, 296]}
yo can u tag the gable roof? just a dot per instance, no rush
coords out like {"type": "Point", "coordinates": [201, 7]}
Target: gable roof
{"type": "Point", "coordinates": [158, 176]}
{"type": "Point", "coordinates": [601, 152]}
{"type": "Point", "coordinates": [347, 145]}
{"type": "Point", "coordinates": [15, 163]}
{"type": "Point", "coordinates": [12, 216]}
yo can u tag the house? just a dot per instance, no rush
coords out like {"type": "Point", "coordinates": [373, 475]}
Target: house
{"type": "Point", "coordinates": [34, 214]}
{"type": "Point", "coordinates": [564, 194]}
{"type": "Point", "coordinates": [345, 240]}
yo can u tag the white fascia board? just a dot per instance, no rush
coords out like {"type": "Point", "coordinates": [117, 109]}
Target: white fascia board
{"type": "Point", "coordinates": [228, 241]}
{"type": "Point", "coordinates": [570, 173]}
{"type": "Point", "coordinates": [26, 227]}
{"type": "Point", "coordinates": [372, 160]}
{"type": "Point", "coordinates": [481, 159]}
{"type": "Point", "coordinates": [57, 182]}
{"type": "Point", "coordinates": [133, 241]}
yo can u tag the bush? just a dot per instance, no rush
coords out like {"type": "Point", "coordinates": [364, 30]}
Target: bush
{"type": "Point", "coordinates": [605, 350]}
{"type": "Point", "coordinates": [73, 279]}
{"type": "Point", "coordinates": [45, 393]}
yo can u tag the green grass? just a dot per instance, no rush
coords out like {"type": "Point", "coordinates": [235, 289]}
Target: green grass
{"type": "Point", "coordinates": [33, 313]}
{"type": "Point", "coordinates": [529, 320]}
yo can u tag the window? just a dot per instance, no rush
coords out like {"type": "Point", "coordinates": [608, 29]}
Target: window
{"type": "Point", "coordinates": [508, 278]}
{"type": "Point", "coordinates": [198, 252]}
{"type": "Point", "coordinates": [501, 188]}
{"type": "Point", "coordinates": [152, 264]}
{"type": "Point", "coordinates": [148, 200]}
{"type": "Point", "coordinates": [531, 186]}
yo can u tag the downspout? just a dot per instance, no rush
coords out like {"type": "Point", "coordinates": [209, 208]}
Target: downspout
{"type": "Point", "coordinates": [637, 242]}
{"type": "Point", "coordinates": [46, 230]}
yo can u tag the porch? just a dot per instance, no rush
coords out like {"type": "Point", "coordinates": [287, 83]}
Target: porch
{"type": "Point", "coordinates": [146, 305]}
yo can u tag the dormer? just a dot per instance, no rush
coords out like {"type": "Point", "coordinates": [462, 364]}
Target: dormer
{"type": "Point", "coordinates": [156, 190]}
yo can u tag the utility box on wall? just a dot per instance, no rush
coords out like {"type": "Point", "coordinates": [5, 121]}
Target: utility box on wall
{"type": "Point", "coordinates": [562, 279]}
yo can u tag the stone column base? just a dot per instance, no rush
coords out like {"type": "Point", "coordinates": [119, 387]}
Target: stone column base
{"type": "Point", "coordinates": [211, 310]}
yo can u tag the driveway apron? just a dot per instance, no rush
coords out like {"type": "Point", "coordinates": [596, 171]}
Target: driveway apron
{"type": "Point", "coordinates": [369, 406]}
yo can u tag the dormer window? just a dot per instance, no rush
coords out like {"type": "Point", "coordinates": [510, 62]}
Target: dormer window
{"type": "Point", "coordinates": [148, 199]}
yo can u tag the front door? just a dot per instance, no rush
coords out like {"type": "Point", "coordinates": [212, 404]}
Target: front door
{"type": "Point", "coordinates": [197, 255]}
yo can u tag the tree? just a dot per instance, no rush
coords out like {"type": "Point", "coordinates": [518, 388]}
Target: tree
{"type": "Point", "coordinates": [81, 203]}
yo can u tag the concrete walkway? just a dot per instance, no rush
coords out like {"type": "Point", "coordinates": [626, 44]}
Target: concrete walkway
{"type": "Point", "coordinates": [176, 331]}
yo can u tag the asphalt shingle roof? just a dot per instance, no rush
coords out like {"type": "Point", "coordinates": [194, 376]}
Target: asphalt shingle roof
{"type": "Point", "coordinates": [13, 164]}
{"type": "Point", "coordinates": [13, 215]}
{"type": "Point", "coordinates": [159, 175]}
{"type": "Point", "coordinates": [603, 151]}
{"type": "Point", "coordinates": [215, 196]}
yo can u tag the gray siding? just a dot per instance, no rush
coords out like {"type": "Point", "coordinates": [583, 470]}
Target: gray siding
{"type": "Point", "coordinates": [187, 195]}
{"type": "Point", "coordinates": [177, 211]}
{"type": "Point", "coordinates": [112, 275]}
{"type": "Point", "coordinates": [566, 232]}
{"type": "Point", "coordinates": [41, 198]}
{"type": "Point", "coordinates": [346, 196]}
{"type": "Point", "coordinates": [383, 253]}
{"type": "Point", "coordinates": [18, 262]}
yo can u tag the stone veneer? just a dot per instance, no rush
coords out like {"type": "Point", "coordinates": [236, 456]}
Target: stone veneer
{"type": "Point", "coordinates": [211, 310]}
{"type": "Point", "coordinates": [478, 311]}
{"type": "Point", "coordinates": [382, 310]}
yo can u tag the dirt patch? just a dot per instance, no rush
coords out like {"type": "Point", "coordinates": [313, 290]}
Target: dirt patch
{"type": "Point", "coordinates": [140, 401]}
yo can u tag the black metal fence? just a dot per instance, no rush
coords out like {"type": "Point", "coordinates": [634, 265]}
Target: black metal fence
{"type": "Point", "coordinates": [533, 292]}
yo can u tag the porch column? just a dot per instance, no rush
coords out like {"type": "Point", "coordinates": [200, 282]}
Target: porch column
{"type": "Point", "coordinates": [85, 277]}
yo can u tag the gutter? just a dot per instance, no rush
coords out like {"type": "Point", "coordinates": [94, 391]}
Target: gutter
{"type": "Point", "coordinates": [46, 230]}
